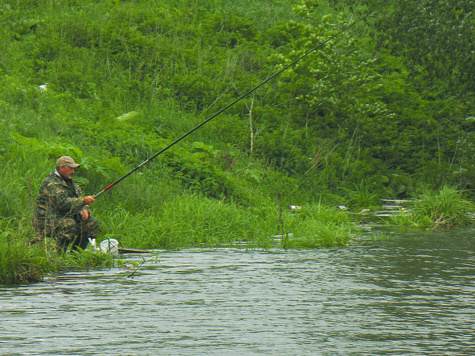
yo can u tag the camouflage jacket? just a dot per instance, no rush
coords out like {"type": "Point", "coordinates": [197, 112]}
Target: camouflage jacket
{"type": "Point", "coordinates": [57, 198]}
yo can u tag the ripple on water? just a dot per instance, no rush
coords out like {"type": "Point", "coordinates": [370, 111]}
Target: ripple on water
{"type": "Point", "coordinates": [408, 295]}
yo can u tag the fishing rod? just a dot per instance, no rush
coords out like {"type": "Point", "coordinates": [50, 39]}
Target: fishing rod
{"type": "Point", "coordinates": [232, 103]}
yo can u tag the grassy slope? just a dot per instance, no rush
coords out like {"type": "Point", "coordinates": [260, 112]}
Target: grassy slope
{"type": "Point", "coordinates": [88, 88]}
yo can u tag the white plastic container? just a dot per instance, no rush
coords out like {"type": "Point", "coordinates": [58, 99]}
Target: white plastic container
{"type": "Point", "coordinates": [111, 246]}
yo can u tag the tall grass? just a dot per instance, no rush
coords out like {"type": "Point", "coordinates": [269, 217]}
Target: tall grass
{"type": "Point", "coordinates": [21, 263]}
{"type": "Point", "coordinates": [20, 178]}
{"type": "Point", "coordinates": [194, 221]}
{"type": "Point", "coordinates": [316, 226]}
{"type": "Point", "coordinates": [361, 196]}
{"type": "Point", "coordinates": [446, 208]}
{"type": "Point", "coordinates": [18, 262]}
{"type": "Point", "coordinates": [188, 221]}
{"type": "Point", "coordinates": [441, 209]}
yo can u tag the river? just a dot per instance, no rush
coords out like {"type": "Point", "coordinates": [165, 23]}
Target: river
{"type": "Point", "coordinates": [407, 294]}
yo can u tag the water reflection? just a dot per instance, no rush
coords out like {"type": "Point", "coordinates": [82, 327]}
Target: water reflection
{"type": "Point", "coordinates": [411, 294]}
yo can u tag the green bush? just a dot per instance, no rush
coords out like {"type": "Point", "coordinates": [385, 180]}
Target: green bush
{"type": "Point", "coordinates": [445, 208]}
{"type": "Point", "coordinates": [442, 209]}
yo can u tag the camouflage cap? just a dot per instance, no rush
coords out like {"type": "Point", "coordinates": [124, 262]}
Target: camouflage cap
{"type": "Point", "coordinates": [66, 161]}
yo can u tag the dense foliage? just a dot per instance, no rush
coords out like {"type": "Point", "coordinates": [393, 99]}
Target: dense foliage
{"type": "Point", "coordinates": [390, 101]}
{"type": "Point", "coordinates": [384, 110]}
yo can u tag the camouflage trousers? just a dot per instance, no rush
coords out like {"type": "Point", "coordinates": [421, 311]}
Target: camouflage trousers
{"type": "Point", "coordinates": [68, 231]}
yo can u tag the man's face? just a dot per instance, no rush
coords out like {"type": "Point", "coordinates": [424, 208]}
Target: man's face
{"type": "Point", "coordinates": [66, 172]}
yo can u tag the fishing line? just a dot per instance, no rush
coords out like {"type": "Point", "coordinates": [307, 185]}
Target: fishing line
{"type": "Point", "coordinates": [234, 102]}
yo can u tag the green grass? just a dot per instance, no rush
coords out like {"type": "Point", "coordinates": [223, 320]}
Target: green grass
{"type": "Point", "coordinates": [194, 221]}
{"type": "Point", "coordinates": [442, 209]}
{"type": "Point", "coordinates": [21, 263]}
{"type": "Point", "coordinates": [361, 196]}
{"type": "Point", "coordinates": [316, 226]}
{"type": "Point", "coordinates": [446, 208]}
{"type": "Point", "coordinates": [186, 221]}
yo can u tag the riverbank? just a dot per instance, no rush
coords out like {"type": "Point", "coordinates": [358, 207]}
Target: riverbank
{"type": "Point", "coordinates": [188, 223]}
{"type": "Point", "coordinates": [191, 223]}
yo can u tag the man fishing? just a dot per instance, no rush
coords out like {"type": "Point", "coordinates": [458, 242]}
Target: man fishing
{"type": "Point", "coordinates": [61, 212]}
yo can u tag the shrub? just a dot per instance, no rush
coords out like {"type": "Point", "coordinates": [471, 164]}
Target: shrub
{"type": "Point", "coordinates": [446, 208]}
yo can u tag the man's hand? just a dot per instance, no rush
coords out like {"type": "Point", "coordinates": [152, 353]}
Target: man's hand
{"type": "Point", "coordinates": [88, 200]}
{"type": "Point", "coordinates": [85, 214]}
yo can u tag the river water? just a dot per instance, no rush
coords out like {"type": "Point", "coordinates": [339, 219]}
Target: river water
{"type": "Point", "coordinates": [407, 294]}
